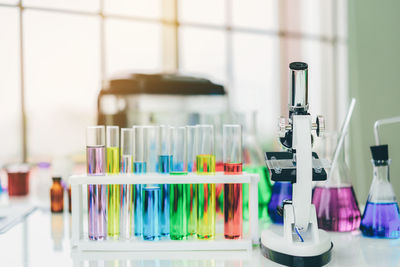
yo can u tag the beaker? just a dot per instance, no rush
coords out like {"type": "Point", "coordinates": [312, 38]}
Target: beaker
{"type": "Point", "coordinates": [381, 216]}
{"type": "Point", "coordinates": [335, 201]}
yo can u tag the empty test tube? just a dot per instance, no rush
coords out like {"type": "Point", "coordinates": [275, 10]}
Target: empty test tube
{"type": "Point", "coordinates": [232, 156]}
{"type": "Point", "coordinates": [113, 211]}
{"type": "Point", "coordinates": [96, 165]}
{"type": "Point", "coordinates": [127, 144]}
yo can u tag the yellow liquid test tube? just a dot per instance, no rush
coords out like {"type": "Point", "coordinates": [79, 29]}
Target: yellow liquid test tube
{"type": "Point", "coordinates": [113, 194]}
{"type": "Point", "coordinates": [205, 199]}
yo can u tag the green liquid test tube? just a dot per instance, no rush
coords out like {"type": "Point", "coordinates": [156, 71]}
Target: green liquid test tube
{"type": "Point", "coordinates": [113, 194]}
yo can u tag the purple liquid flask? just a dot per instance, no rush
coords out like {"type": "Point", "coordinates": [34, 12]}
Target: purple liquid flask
{"type": "Point", "coordinates": [335, 201]}
{"type": "Point", "coordinates": [381, 216]}
{"type": "Point", "coordinates": [280, 191]}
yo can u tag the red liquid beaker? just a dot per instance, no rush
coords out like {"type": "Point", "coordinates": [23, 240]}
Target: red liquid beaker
{"type": "Point", "coordinates": [18, 179]}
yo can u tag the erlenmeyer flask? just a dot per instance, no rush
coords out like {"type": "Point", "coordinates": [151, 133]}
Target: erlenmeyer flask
{"type": "Point", "coordinates": [335, 201]}
{"type": "Point", "coordinates": [280, 191]}
{"type": "Point", "coordinates": [253, 162]}
{"type": "Point", "coordinates": [381, 216]}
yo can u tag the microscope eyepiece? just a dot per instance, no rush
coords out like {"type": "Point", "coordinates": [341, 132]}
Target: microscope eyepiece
{"type": "Point", "coordinates": [298, 91]}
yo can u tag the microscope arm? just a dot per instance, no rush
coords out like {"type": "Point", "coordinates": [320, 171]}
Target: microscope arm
{"type": "Point", "coordinates": [303, 186]}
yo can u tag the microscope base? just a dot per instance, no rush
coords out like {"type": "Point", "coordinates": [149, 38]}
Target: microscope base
{"type": "Point", "coordinates": [276, 248]}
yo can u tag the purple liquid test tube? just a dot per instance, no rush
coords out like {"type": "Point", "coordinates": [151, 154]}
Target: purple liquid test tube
{"type": "Point", "coordinates": [96, 165]}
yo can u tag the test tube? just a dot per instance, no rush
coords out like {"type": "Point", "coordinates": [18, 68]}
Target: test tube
{"type": "Point", "coordinates": [113, 196]}
{"type": "Point", "coordinates": [191, 189]}
{"type": "Point", "coordinates": [139, 167]}
{"type": "Point", "coordinates": [232, 156]}
{"type": "Point", "coordinates": [127, 144]}
{"type": "Point", "coordinates": [164, 166]}
{"type": "Point", "coordinates": [178, 195]}
{"type": "Point", "coordinates": [205, 163]}
{"type": "Point", "coordinates": [96, 165]}
{"type": "Point", "coordinates": [151, 196]}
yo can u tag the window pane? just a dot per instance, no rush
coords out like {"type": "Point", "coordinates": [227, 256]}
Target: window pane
{"type": "Point", "coordinates": [258, 14]}
{"type": "Point", "coordinates": [256, 78]}
{"type": "Point", "coordinates": [86, 5]}
{"type": "Point", "coordinates": [132, 46]}
{"type": "Point", "coordinates": [137, 8]}
{"type": "Point", "coordinates": [10, 108]}
{"type": "Point", "coordinates": [203, 53]}
{"type": "Point", "coordinates": [312, 17]}
{"type": "Point", "coordinates": [204, 11]}
{"type": "Point", "coordinates": [62, 81]}
{"type": "Point", "coordinates": [341, 19]}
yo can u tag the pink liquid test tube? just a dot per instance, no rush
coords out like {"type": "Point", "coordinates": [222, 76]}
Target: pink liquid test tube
{"type": "Point", "coordinates": [96, 165]}
{"type": "Point", "coordinates": [233, 206]}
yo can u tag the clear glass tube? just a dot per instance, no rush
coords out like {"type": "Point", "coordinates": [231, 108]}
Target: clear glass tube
{"type": "Point", "coordinates": [151, 196]}
{"type": "Point", "coordinates": [127, 146]}
{"type": "Point", "coordinates": [96, 165]}
{"type": "Point", "coordinates": [205, 163]}
{"type": "Point", "coordinates": [164, 166]}
{"type": "Point", "coordinates": [178, 194]}
{"type": "Point", "coordinates": [233, 206]}
{"type": "Point", "coordinates": [113, 192]}
{"type": "Point", "coordinates": [191, 189]}
{"type": "Point", "coordinates": [139, 167]}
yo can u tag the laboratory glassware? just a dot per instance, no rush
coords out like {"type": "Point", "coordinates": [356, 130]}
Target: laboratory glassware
{"type": "Point", "coordinates": [127, 145]}
{"type": "Point", "coordinates": [253, 162]}
{"type": "Point", "coordinates": [113, 192]}
{"type": "Point", "coordinates": [280, 191]}
{"type": "Point", "coordinates": [18, 179]}
{"type": "Point", "coordinates": [97, 198]}
{"type": "Point", "coordinates": [164, 166]}
{"type": "Point", "coordinates": [205, 163]}
{"type": "Point", "coordinates": [178, 195]}
{"type": "Point", "coordinates": [381, 216]}
{"type": "Point", "coordinates": [232, 156]}
{"type": "Point", "coordinates": [139, 167]}
{"type": "Point", "coordinates": [56, 196]}
{"type": "Point", "coordinates": [191, 189]}
{"type": "Point", "coordinates": [151, 196]}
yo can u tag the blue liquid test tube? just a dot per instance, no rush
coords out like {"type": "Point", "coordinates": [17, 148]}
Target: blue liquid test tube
{"type": "Point", "coordinates": [164, 166]}
{"type": "Point", "coordinates": [151, 195]}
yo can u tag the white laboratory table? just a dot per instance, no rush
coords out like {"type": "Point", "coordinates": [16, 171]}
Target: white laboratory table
{"type": "Point", "coordinates": [42, 239]}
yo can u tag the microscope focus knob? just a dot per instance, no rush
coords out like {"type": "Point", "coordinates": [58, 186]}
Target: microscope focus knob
{"type": "Point", "coordinates": [282, 127]}
{"type": "Point", "coordinates": [319, 126]}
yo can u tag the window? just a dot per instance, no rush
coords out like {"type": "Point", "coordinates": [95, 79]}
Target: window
{"type": "Point", "coordinates": [55, 55]}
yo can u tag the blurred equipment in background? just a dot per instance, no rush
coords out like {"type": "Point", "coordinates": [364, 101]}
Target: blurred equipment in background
{"type": "Point", "coordinates": [173, 99]}
{"type": "Point", "coordinates": [381, 216]}
{"type": "Point", "coordinates": [18, 179]}
{"type": "Point", "coordinates": [57, 196]}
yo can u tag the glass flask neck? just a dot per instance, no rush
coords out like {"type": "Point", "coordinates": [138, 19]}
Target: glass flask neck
{"type": "Point", "coordinates": [381, 190]}
{"type": "Point", "coordinates": [381, 170]}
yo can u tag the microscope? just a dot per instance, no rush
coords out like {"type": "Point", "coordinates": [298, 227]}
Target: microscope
{"type": "Point", "coordinates": [299, 242]}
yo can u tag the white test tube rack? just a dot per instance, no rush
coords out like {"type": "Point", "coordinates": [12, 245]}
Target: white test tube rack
{"type": "Point", "coordinates": [82, 243]}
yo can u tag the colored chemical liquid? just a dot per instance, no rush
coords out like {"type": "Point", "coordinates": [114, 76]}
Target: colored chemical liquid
{"type": "Point", "coordinates": [264, 192]}
{"type": "Point", "coordinates": [97, 212]}
{"type": "Point", "coordinates": [150, 213]}
{"type": "Point", "coordinates": [126, 164]}
{"type": "Point", "coordinates": [178, 169]}
{"type": "Point", "coordinates": [57, 196]}
{"type": "Point", "coordinates": [191, 193]}
{"type": "Point", "coordinates": [178, 212]}
{"type": "Point", "coordinates": [126, 211]}
{"type": "Point", "coordinates": [18, 183]}
{"type": "Point", "coordinates": [381, 220]}
{"type": "Point", "coordinates": [97, 198]}
{"type": "Point", "coordinates": [113, 194]}
{"type": "Point", "coordinates": [206, 211]}
{"type": "Point", "coordinates": [205, 164]}
{"type": "Point", "coordinates": [337, 208]}
{"type": "Point", "coordinates": [112, 160]}
{"type": "Point", "coordinates": [233, 206]}
{"type": "Point", "coordinates": [280, 191]}
{"type": "Point", "coordinates": [164, 163]}
{"type": "Point", "coordinates": [139, 168]}
{"type": "Point", "coordinates": [219, 190]}
{"type": "Point", "coordinates": [95, 160]}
